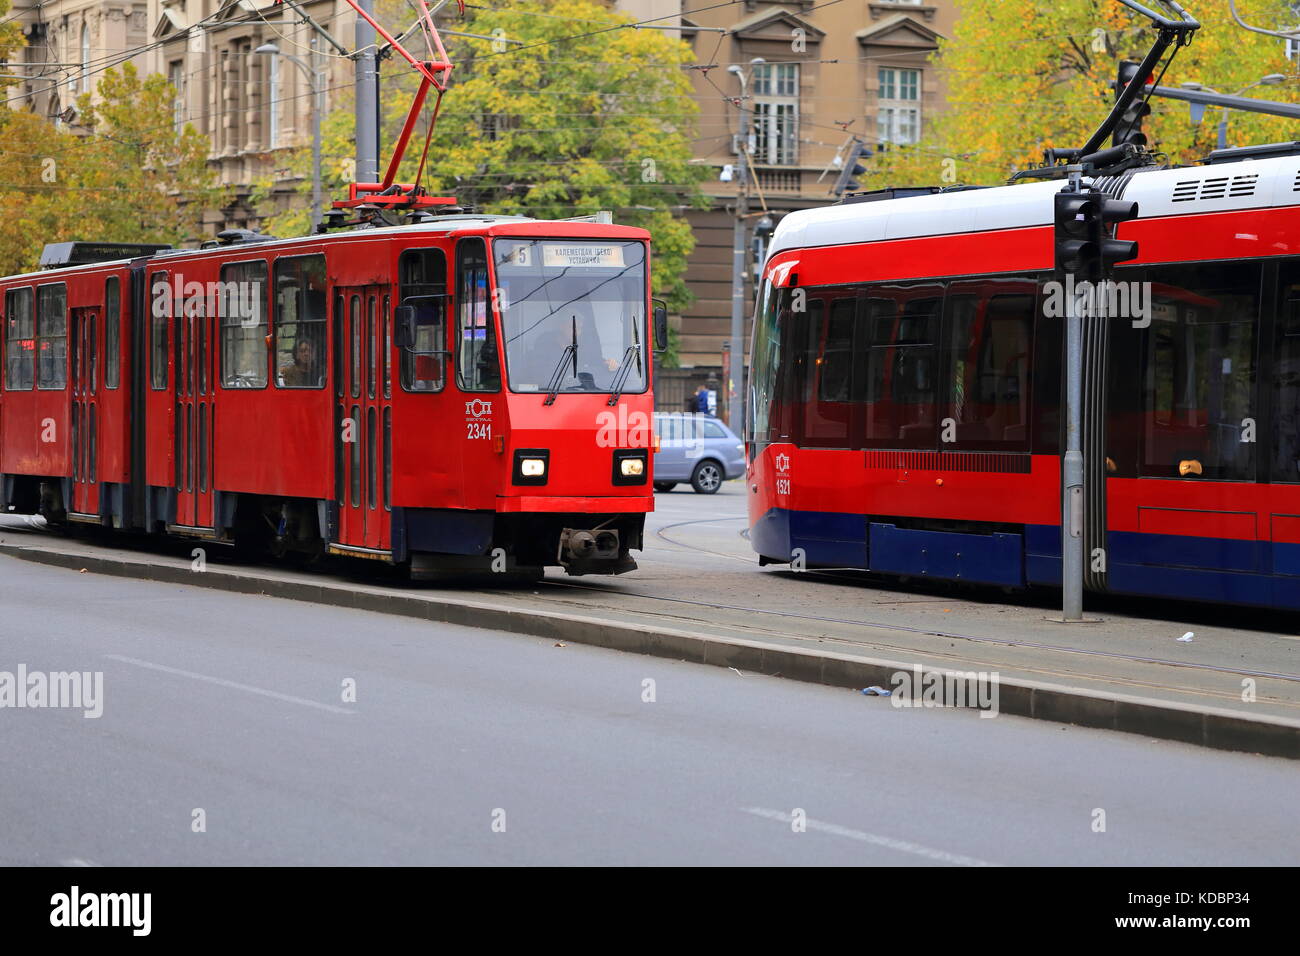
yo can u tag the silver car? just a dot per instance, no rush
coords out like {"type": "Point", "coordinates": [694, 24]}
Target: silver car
{"type": "Point", "coordinates": [697, 448]}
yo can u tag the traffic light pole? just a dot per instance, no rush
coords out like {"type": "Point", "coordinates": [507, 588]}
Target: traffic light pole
{"type": "Point", "coordinates": [1072, 465]}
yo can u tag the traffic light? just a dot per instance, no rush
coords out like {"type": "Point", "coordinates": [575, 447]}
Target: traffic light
{"type": "Point", "coordinates": [1076, 246]}
{"type": "Point", "coordinates": [848, 179]}
{"type": "Point", "coordinates": [1084, 233]}
{"type": "Point", "coordinates": [1111, 250]}
{"type": "Point", "coordinates": [1129, 129]}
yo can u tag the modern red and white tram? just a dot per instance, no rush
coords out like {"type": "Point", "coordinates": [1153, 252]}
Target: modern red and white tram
{"type": "Point", "coordinates": [907, 379]}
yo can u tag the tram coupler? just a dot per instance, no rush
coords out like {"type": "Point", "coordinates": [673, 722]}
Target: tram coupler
{"type": "Point", "coordinates": [595, 551]}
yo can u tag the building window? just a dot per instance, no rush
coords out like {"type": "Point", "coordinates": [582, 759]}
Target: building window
{"type": "Point", "coordinates": [776, 114]}
{"type": "Point", "coordinates": [898, 115]}
{"type": "Point", "coordinates": [273, 102]}
{"type": "Point", "coordinates": [85, 58]}
{"type": "Point", "coordinates": [176, 77]}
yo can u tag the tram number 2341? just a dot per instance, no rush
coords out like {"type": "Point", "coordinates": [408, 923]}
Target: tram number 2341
{"type": "Point", "coordinates": [478, 429]}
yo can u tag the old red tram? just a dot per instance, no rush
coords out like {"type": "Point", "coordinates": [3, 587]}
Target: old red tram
{"type": "Point", "coordinates": [459, 393]}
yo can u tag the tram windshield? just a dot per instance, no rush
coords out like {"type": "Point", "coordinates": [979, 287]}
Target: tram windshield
{"type": "Point", "coordinates": [573, 314]}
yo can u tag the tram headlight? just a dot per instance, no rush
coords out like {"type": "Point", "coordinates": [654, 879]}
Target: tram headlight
{"type": "Point", "coordinates": [531, 466]}
{"type": "Point", "coordinates": [630, 466]}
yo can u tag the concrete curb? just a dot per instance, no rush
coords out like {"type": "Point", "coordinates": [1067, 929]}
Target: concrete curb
{"type": "Point", "coordinates": [1205, 726]}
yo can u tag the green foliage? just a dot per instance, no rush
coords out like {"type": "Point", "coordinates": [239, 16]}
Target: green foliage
{"type": "Point", "coordinates": [1024, 77]}
{"type": "Point", "coordinates": [129, 177]}
{"type": "Point", "coordinates": [544, 129]}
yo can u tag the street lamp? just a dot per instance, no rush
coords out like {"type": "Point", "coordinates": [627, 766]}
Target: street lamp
{"type": "Point", "coordinates": [314, 82]}
{"type": "Point", "coordinates": [736, 347]}
{"type": "Point", "coordinates": [1198, 109]}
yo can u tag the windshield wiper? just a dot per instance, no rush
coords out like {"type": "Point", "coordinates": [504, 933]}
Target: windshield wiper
{"type": "Point", "coordinates": [557, 377]}
{"type": "Point", "coordinates": [621, 376]}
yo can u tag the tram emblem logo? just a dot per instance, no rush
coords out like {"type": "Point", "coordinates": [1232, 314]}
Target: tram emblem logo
{"type": "Point", "coordinates": [478, 409]}
{"type": "Point", "coordinates": [783, 463]}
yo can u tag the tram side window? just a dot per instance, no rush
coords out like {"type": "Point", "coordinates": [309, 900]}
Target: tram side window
{"type": "Point", "coordinates": [988, 338]}
{"type": "Point", "coordinates": [52, 336]}
{"type": "Point", "coordinates": [300, 322]}
{"type": "Point", "coordinates": [828, 420]}
{"type": "Point", "coordinates": [1199, 376]}
{"type": "Point", "coordinates": [477, 366]}
{"type": "Point", "coordinates": [112, 332]}
{"type": "Point", "coordinates": [20, 340]}
{"type": "Point", "coordinates": [1286, 378]}
{"type": "Point", "coordinates": [160, 309]}
{"type": "Point", "coordinates": [243, 325]}
{"type": "Point", "coordinates": [781, 354]}
{"type": "Point", "coordinates": [901, 365]}
{"type": "Point", "coordinates": [423, 280]}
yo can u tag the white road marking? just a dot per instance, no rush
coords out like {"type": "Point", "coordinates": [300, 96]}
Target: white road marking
{"type": "Point", "coordinates": [902, 846]}
{"type": "Point", "coordinates": [77, 861]}
{"type": "Point", "coordinates": [222, 682]}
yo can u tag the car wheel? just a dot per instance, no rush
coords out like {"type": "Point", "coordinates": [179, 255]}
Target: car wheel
{"type": "Point", "coordinates": [665, 485]}
{"type": "Point", "coordinates": [706, 479]}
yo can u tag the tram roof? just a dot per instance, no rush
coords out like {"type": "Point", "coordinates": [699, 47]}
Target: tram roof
{"type": "Point", "coordinates": [440, 226]}
{"type": "Point", "coordinates": [1249, 184]}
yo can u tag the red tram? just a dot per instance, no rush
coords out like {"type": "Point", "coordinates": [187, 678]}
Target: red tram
{"type": "Point", "coordinates": [460, 393]}
{"type": "Point", "coordinates": [906, 388]}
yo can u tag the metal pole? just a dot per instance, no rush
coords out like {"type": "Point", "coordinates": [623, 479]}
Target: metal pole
{"type": "Point", "coordinates": [317, 107]}
{"type": "Point", "coordinates": [735, 399]}
{"type": "Point", "coordinates": [1223, 130]}
{"type": "Point", "coordinates": [736, 376]}
{"type": "Point", "coordinates": [1072, 476]}
{"type": "Point", "coordinates": [367, 89]}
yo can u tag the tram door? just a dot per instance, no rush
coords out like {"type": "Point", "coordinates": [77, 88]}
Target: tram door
{"type": "Point", "coordinates": [194, 410]}
{"type": "Point", "coordinates": [85, 412]}
{"type": "Point", "coordinates": [363, 348]}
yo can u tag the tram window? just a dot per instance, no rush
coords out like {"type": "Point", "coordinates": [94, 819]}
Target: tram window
{"type": "Point", "coordinates": [1048, 381]}
{"type": "Point", "coordinates": [371, 357]}
{"type": "Point", "coordinates": [160, 301]}
{"type": "Point", "coordinates": [300, 322]}
{"type": "Point", "coordinates": [423, 274]}
{"type": "Point", "coordinates": [354, 344]}
{"type": "Point", "coordinates": [988, 333]}
{"type": "Point", "coordinates": [828, 419]}
{"type": "Point", "coordinates": [112, 332]}
{"type": "Point", "coordinates": [340, 337]}
{"type": "Point", "coordinates": [1286, 378]}
{"type": "Point", "coordinates": [901, 365]}
{"type": "Point", "coordinates": [20, 340]}
{"type": "Point", "coordinates": [477, 366]}
{"type": "Point", "coordinates": [242, 304]}
{"type": "Point", "coordinates": [52, 336]}
{"type": "Point", "coordinates": [1199, 375]}
{"type": "Point", "coordinates": [388, 346]}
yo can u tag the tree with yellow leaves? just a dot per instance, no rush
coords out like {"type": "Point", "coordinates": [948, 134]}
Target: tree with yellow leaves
{"type": "Point", "coordinates": [559, 112]}
{"type": "Point", "coordinates": [1027, 76]}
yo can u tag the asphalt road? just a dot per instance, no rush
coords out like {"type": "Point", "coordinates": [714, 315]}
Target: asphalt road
{"type": "Point", "coordinates": [234, 705]}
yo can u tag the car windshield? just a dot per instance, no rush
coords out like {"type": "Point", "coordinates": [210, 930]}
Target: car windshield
{"type": "Point", "coordinates": [582, 301]}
